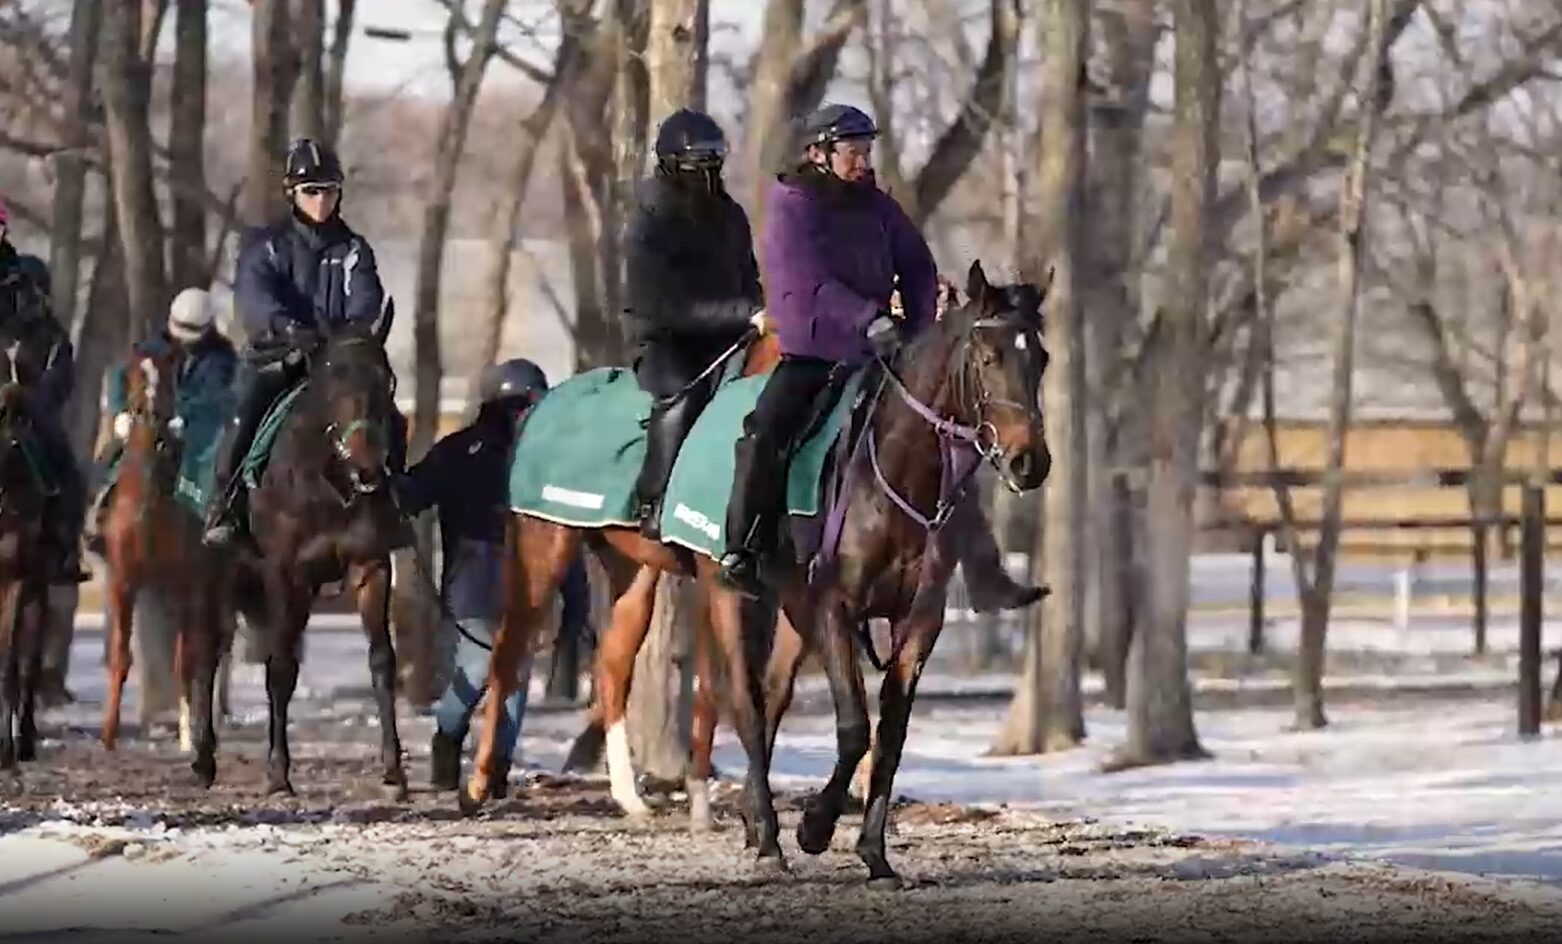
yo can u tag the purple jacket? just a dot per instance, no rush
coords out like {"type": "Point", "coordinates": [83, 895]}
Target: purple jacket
{"type": "Point", "coordinates": [829, 264]}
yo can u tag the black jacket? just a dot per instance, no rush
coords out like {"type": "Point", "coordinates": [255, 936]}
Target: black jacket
{"type": "Point", "coordinates": [467, 475]}
{"type": "Point", "coordinates": [690, 265]}
{"type": "Point", "coordinates": [305, 273]}
{"type": "Point", "coordinates": [24, 293]}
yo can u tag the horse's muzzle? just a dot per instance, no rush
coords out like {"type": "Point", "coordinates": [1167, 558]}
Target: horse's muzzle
{"type": "Point", "coordinates": [366, 482]}
{"type": "Point", "coordinates": [1026, 469]}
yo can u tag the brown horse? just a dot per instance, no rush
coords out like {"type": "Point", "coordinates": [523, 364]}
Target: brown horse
{"type": "Point", "coordinates": [323, 512]}
{"type": "Point", "coordinates": [152, 541]}
{"type": "Point", "coordinates": [24, 573]}
{"type": "Point", "coordinates": [969, 392]}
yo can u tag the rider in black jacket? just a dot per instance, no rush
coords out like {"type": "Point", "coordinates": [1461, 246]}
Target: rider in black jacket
{"type": "Point", "coordinates": [693, 289]}
{"type": "Point", "coordinates": [293, 280]}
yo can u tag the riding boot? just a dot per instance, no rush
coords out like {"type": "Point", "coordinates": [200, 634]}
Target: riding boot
{"type": "Point", "coordinates": [665, 432]}
{"type": "Point", "coordinates": [224, 509]}
{"type": "Point", "coordinates": [748, 512]}
{"type": "Point", "coordinates": [67, 508]}
{"type": "Point", "coordinates": [444, 762]}
{"type": "Point", "coordinates": [988, 584]}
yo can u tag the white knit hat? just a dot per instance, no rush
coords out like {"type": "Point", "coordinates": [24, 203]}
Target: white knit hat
{"type": "Point", "coordinates": [190, 314]}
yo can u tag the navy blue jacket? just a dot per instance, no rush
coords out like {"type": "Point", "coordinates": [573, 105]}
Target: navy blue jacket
{"type": "Point", "coordinates": [316, 275]}
{"type": "Point", "coordinates": [210, 363]}
{"type": "Point", "coordinates": [467, 475]}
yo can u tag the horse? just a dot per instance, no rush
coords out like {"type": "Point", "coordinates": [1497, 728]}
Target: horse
{"type": "Point", "coordinates": [323, 511]}
{"type": "Point", "coordinates": [969, 393]}
{"type": "Point", "coordinates": [153, 541]}
{"type": "Point", "coordinates": [24, 573]}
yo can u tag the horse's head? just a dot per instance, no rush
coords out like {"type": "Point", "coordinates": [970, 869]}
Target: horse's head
{"type": "Point", "coordinates": [352, 377]}
{"type": "Point", "coordinates": [997, 360]}
{"type": "Point", "coordinates": [150, 424]}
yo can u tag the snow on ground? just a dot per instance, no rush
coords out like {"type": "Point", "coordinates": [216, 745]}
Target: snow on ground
{"type": "Point", "coordinates": [1424, 782]}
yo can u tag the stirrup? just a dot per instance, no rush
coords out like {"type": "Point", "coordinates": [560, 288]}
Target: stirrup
{"type": "Point", "coordinates": [739, 570]}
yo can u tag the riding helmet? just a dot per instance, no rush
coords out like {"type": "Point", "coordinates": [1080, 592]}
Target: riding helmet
{"type": "Point", "coordinates": [310, 162]}
{"type": "Point", "coordinates": [511, 379]}
{"type": "Point", "coordinates": [689, 137]}
{"type": "Point", "coordinates": [832, 123]}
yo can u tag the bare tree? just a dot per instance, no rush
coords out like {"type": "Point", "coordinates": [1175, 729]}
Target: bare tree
{"type": "Point", "coordinates": [1160, 703]}
{"type": "Point", "coordinates": [335, 67]}
{"type": "Point", "coordinates": [308, 108]}
{"type": "Point", "coordinates": [70, 183]}
{"type": "Point", "coordinates": [186, 151]}
{"type": "Point", "coordinates": [275, 69]}
{"type": "Point", "coordinates": [127, 88]}
{"type": "Point", "coordinates": [1048, 711]}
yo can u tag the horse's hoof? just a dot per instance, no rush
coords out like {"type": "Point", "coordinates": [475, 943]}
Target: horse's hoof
{"type": "Point", "coordinates": [886, 883]}
{"type": "Point", "coordinates": [395, 792]}
{"type": "Point", "coordinates": [27, 752]}
{"type": "Point", "coordinates": [814, 837]}
{"type": "Point", "coordinates": [110, 743]}
{"type": "Point", "coordinates": [280, 788]}
{"type": "Point", "coordinates": [205, 774]}
{"type": "Point", "coordinates": [771, 865]}
{"type": "Point", "coordinates": [469, 805]}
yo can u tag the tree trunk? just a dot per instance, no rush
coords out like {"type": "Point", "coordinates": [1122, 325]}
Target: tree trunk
{"type": "Point", "coordinates": [676, 56]}
{"type": "Point", "coordinates": [186, 160]}
{"type": "Point", "coordinates": [1055, 720]}
{"type": "Point", "coordinates": [1129, 33]}
{"type": "Point", "coordinates": [127, 88]}
{"type": "Point", "coordinates": [104, 331]}
{"type": "Point", "coordinates": [70, 182]}
{"type": "Point", "coordinates": [308, 107]}
{"type": "Point", "coordinates": [429, 370]}
{"type": "Point", "coordinates": [1485, 503]}
{"type": "Point", "coordinates": [274, 71]}
{"type": "Point", "coordinates": [1351, 247]}
{"type": "Point", "coordinates": [335, 68]}
{"type": "Point", "coordinates": [1160, 704]}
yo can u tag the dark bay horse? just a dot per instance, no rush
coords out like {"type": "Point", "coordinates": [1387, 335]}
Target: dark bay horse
{"type": "Point", "coordinates": [24, 572]}
{"type": "Point", "coordinates": [153, 541]}
{"type": "Point", "coordinates": [323, 512]}
{"type": "Point", "coordinates": [968, 391]}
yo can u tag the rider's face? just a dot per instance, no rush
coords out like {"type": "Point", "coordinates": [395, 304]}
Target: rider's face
{"type": "Point", "coordinates": [851, 159]}
{"type": "Point", "coordinates": [317, 201]}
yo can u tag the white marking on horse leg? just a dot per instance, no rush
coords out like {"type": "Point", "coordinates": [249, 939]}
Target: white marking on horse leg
{"type": "Point", "coordinates": [699, 804]}
{"type": "Point", "coordinates": [186, 739]}
{"type": "Point", "coordinates": [621, 772]}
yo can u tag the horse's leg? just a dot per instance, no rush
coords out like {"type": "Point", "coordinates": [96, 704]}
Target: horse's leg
{"type": "Point", "coordinates": [702, 721]}
{"type": "Point", "coordinates": [633, 589]}
{"type": "Point", "coordinates": [895, 698]}
{"type": "Point", "coordinates": [374, 610]}
{"type": "Point", "coordinates": [839, 654]}
{"type": "Point", "coordinates": [787, 649]}
{"type": "Point", "coordinates": [537, 553]}
{"type": "Point", "coordinates": [285, 632]}
{"type": "Point", "coordinates": [744, 656]}
{"type": "Point", "coordinates": [183, 616]}
{"type": "Point", "coordinates": [9, 654]}
{"type": "Point", "coordinates": [123, 588]}
{"type": "Point", "coordinates": [200, 635]}
{"type": "Point", "coordinates": [29, 667]}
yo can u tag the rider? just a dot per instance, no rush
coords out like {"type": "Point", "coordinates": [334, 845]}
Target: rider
{"type": "Point", "coordinates": [293, 280]}
{"type": "Point", "coordinates": [24, 294]}
{"type": "Point", "coordinates": [467, 475]}
{"type": "Point", "coordinates": [834, 246]}
{"type": "Point", "coordinates": [209, 361]}
{"type": "Point", "coordinates": [693, 287]}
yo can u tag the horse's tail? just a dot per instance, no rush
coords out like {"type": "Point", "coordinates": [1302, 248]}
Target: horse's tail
{"type": "Point", "coordinates": [249, 601]}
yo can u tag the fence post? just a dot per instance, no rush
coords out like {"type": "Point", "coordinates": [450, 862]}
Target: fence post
{"type": "Point", "coordinates": [1532, 551]}
{"type": "Point", "coordinates": [1255, 595]}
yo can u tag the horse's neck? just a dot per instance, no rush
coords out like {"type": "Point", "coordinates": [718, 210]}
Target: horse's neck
{"type": "Point", "coordinates": [907, 444]}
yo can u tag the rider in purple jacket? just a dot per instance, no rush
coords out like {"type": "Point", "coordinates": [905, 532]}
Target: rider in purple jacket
{"type": "Point", "coordinates": [833, 249]}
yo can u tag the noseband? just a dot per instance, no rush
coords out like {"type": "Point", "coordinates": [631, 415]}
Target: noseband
{"type": "Point", "coordinates": [340, 433]}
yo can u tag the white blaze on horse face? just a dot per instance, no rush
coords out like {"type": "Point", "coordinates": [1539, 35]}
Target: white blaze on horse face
{"type": "Point", "coordinates": [621, 771]}
{"type": "Point", "coordinates": [149, 371]}
{"type": "Point", "coordinates": [1020, 344]}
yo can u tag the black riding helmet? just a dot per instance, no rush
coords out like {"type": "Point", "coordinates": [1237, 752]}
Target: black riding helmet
{"type": "Point", "coordinates": [310, 162]}
{"type": "Point", "coordinates": [511, 380]}
{"type": "Point", "coordinates": [690, 142]}
{"type": "Point", "coordinates": [831, 123]}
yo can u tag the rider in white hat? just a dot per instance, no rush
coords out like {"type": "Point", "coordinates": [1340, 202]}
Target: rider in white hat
{"type": "Point", "coordinates": [209, 362]}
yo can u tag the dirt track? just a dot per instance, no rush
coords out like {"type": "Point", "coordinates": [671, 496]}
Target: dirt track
{"type": "Point", "coordinates": [556, 862]}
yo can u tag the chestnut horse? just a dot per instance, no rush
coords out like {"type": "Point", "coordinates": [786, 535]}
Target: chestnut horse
{"type": "Point", "coordinates": [969, 392]}
{"type": "Point", "coordinates": [153, 541]}
{"type": "Point", "coordinates": [323, 512]}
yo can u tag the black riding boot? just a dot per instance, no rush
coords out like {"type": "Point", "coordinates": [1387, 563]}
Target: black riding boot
{"type": "Point", "coordinates": [664, 433]}
{"type": "Point", "coordinates": [67, 508]}
{"type": "Point", "coordinates": [988, 585]}
{"type": "Point", "coordinates": [444, 758]}
{"type": "Point", "coordinates": [748, 516]}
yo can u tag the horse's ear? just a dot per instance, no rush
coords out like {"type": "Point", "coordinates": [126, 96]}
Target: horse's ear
{"type": "Point", "coordinates": [382, 324]}
{"type": "Point", "coordinates": [976, 283]}
{"type": "Point", "coordinates": [1046, 286]}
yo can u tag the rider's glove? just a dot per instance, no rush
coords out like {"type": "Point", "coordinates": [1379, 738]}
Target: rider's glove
{"type": "Point", "coordinates": [884, 335]}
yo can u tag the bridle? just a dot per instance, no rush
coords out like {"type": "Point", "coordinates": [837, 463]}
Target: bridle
{"type": "Point", "coordinates": [338, 434]}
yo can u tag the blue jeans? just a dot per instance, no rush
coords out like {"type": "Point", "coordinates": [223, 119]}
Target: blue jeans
{"type": "Point", "coordinates": [453, 711]}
